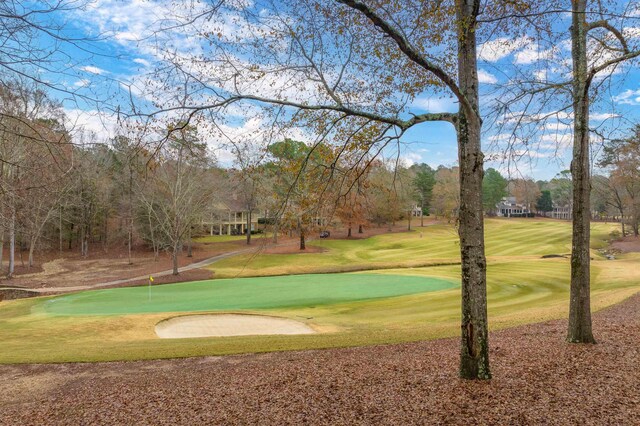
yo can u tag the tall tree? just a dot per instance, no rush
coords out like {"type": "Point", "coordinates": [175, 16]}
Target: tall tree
{"type": "Point", "coordinates": [180, 189]}
{"type": "Point", "coordinates": [526, 192]}
{"type": "Point", "coordinates": [579, 329]}
{"type": "Point", "coordinates": [302, 173]}
{"type": "Point", "coordinates": [544, 203]}
{"type": "Point", "coordinates": [446, 193]}
{"type": "Point", "coordinates": [494, 189]}
{"type": "Point", "coordinates": [424, 180]}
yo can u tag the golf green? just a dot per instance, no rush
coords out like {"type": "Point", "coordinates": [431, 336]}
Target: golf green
{"type": "Point", "coordinates": [242, 293]}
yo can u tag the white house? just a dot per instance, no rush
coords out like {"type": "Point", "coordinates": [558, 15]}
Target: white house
{"type": "Point", "coordinates": [509, 207]}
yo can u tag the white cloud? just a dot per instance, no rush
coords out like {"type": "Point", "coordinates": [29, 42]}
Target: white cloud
{"type": "Point", "coordinates": [601, 116]}
{"type": "Point", "coordinates": [532, 53]}
{"type": "Point", "coordinates": [631, 32]}
{"type": "Point", "coordinates": [485, 77]}
{"type": "Point", "coordinates": [127, 36]}
{"type": "Point", "coordinates": [557, 126]}
{"type": "Point", "coordinates": [435, 104]}
{"type": "Point", "coordinates": [141, 61]}
{"type": "Point", "coordinates": [499, 48]}
{"type": "Point", "coordinates": [92, 70]}
{"type": "Point", "coordinates": [628, 97]}
{"type": "Point", "coordinates": [83, 82]}
{"type": "Point", "coordinates": [541, 75]}
{"type": "Point", "coordinates": [411, 158]}
{"type": "Point", "coordinates": [102, 125]}
{"type": "Point", "coordinates": [558, 140]}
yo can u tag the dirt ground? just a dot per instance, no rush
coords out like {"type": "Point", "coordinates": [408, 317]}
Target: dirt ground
{"type": "Point", "coordinates": [70, 269]}
{"type": "Point", "coordinates": [538, 380]}
{"type": "Point", "coordinates": [627, 244]}
{"type": "Point", "coordinates": [73, 270]}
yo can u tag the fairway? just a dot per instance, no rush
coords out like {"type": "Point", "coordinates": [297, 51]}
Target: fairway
{"type": "Point", "coordinates": [293, 291]}
{"type": "Point", "coordinates": [408, 290]}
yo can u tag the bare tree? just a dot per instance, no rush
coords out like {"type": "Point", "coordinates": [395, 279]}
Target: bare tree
{"type": "Point", "coordinates": [179, 190]}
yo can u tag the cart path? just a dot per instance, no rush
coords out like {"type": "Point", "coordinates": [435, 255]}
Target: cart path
{"type": "Point", "coordinates": [196, 265]}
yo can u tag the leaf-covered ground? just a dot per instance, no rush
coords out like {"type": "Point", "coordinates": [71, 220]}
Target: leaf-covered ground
{"type": "Point", "coordinates": [538, 379]}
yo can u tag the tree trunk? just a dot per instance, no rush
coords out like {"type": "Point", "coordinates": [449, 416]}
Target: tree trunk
{"type": "Point", "coordinates": [474, 353]}
{"type": "Point", "coordinates": [32, 246]}
{"type": "Point", "coordinates": [71, 235]}
{"type": "Point", "coordinates": [84, 242]}
{"type": "Point", "coordinates": [1, 246]}
{"type": "Point", "coordinates": [12, 243]}
{"type": "Point", "coordinates": [409, 225]}
{"type": "Point", "coordinates": [275, 232]}
{"type": "Point", "coordinates": [302, 243]}
{"type": "Point", "coordinates": [360, 231]}
{"type": "Point", "coordinates": [129, 238]}
{"type": "Point", "coordinates": [60, 229]}
{"type": "Point", "coordinates": [174, 259]}
{"type": "Point", "coordinates": [105, 233]}
{"type": "Point", "coordinates": [249, 227]}
{"type": "Point", "coordinates": [579, 330]}
{"type": "Point", "coordinates": [190, 245]}
{"type": "Point", "coordinates": [349, 232]}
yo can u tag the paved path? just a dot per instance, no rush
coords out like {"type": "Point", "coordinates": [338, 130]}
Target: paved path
{"type": "Point", "coordinates": [189, 267]}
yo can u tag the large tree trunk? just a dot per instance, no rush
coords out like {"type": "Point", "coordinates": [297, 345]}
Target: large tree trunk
{"type": "Point", "coordinates": [360, 231]}
{"type": "Point", "coordinates": [474, 353]}
{"type": "Point", "coordinates": [409, 225]}
{"type": "Point", "coordinates": [349, 232]}
{"type": "Point", "coordinates": [302, 243]}
{"type": "Point", "coordinates": [580, 304]}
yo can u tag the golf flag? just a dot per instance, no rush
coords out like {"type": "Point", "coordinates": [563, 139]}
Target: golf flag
{"type": "Point", "coordinates": [150, 279]}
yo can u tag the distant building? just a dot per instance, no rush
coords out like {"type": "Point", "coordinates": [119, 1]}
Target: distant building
{"type": "Point", "coordinates": [508, 207]}
{"type": "Point", "coordinates": [229, 217]}
{"type": "Point", "coordinates": [562, 212]}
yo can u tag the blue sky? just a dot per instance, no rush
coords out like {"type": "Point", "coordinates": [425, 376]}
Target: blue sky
{"type": "Point", "coordinates": [120, 62]}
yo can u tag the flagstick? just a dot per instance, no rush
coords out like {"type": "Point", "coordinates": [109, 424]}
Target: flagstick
{"type": "Point", "coordinates": [149, 290]}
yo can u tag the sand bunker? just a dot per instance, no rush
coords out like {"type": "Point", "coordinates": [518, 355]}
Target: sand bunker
{"type": "Point", "coordinates": [228, 325]}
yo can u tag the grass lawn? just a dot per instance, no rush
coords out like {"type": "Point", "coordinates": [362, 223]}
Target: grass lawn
{"type": "Point", "coordinates": [405, 301]}
{"type": "Point", "coordinates": [292, 291]}
{"type": "Point", "coordinates": [432, 245]}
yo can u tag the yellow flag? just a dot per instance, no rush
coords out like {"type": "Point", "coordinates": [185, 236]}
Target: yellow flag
{"type": "Point", "coordinates": [150, 278]}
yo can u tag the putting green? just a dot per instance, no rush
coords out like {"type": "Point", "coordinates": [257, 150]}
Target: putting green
{"type": "Point", "coordinates": [243, 293]}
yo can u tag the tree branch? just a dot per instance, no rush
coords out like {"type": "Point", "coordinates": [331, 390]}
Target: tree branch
{"type": "Point", "coordinates": [604, 24]}
{"type": "Point", "coordinates": [614, 61]}
{"type": "Point", "coordinates": [411, 52]}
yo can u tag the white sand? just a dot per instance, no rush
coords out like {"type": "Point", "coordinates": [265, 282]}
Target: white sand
{"type": "Point", "coordinates": [218, 325]}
